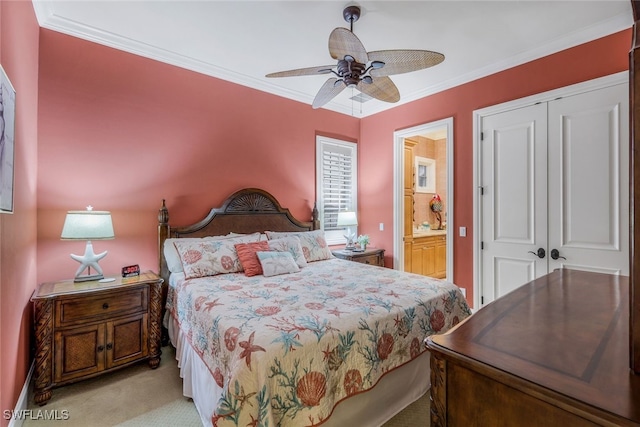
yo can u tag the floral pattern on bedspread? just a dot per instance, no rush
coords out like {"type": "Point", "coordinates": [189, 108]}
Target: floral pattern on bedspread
{"type": "Point", "coordinates": [287, 349]}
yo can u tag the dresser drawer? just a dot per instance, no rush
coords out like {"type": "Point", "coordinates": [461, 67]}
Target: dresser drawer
{"type": "Point", "coordinates": [369, 259]}
{"type": "Point", "coordinates": [370, 256]}
{"type": "Point", "coordinates": [100, 306]}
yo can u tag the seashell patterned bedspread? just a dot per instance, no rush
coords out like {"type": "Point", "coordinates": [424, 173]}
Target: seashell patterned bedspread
{"type": "Point", "coordinates": [287, 349]}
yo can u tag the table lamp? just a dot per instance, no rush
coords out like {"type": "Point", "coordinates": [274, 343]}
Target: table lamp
{"type": "Point", "coordinates": [348, 219]}
{"type": "Point", "coordinates": [88, 225]}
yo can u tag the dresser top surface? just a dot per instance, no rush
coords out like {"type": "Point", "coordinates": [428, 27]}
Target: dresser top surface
{"type": "Point", "coordinates": [68, 287]}
{"type": "Point", "coordinates": [567, 332]}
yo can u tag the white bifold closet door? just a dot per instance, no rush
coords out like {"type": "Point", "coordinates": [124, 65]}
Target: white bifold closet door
{"type": "Point", "coordinates": [555, 189]}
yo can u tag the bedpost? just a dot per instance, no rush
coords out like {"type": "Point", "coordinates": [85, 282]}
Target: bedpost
{"type": "Point", "coordinates": [314, 217]}
{"type": "Point", "coordinates": [163, 234]}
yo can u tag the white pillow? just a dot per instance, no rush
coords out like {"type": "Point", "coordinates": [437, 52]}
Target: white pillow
{"type": "Point", "coordinates": [276, 263]}
{"type": "Point", "coordinates": [263, 237]}
{"type": "Point", "coordinates": [172, 256]}
{"type": "Point", "coordinates": [211, 257]}
{"type": "Point", "coordinates": [292, 245]}
{"type": "Point", "coordinates": [314, 245]}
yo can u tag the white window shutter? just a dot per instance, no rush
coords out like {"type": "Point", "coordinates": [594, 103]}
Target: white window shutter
{"type": "Point", "coordinates": [336, 177]}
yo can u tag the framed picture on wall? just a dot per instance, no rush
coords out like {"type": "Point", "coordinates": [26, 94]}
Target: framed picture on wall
{"type": "Point", "coordinates": [7, 141]}
{"type": "Point", "coordinates": [425, 175]}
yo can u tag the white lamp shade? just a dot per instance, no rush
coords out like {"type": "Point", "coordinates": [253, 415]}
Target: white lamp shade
{"type": "Point", "coordinates": [87, 225]}
{"type": "Point", "coordinates": [346, 219]}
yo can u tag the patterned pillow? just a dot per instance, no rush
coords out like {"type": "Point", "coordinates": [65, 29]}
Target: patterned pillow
{"type": "Point", "coordinates": [249, 259]}
{"type": "Point", "coordinates": [276, 263]}
{"type": "Point", "coordinates": [174, 264]}
{"type": "Point", "coordinates": [314, 245]}
{"type": "Point", "coordinates": [292, 245]}
{"type": "Point", "coordinates": [210, 257]}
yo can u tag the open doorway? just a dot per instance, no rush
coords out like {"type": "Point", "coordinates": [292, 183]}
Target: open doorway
{"type": "Point", "coordinates": [423, 199]}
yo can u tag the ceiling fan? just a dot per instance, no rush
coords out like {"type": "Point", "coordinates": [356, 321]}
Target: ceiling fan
{"type": "Point", "coordinates": [366, 71]}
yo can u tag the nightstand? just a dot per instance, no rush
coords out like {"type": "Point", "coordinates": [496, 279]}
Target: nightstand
{"type": "Point", "coordinates": [89, 328]}
{"type": "Point", "coordinates": [368, 256]}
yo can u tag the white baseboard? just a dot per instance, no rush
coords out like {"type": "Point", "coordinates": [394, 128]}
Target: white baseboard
{"type": "Point", "coordinates": [21, 404]}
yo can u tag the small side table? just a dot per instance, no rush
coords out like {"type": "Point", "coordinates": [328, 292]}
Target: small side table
{"type": "Point", "coordinates": [368, 256]}
{"type": "Point", "coordinates": [86, 329]}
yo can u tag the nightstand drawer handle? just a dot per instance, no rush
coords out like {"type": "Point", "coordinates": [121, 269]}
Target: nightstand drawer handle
{"type": "Point", "coordinates": [100, 348]}
{"type": "Point", "coordinates": [105, 305]}
{"type": "Point", "coordinates": [109, 346]}
{"type": "Point", "coordinates": [367, 262]}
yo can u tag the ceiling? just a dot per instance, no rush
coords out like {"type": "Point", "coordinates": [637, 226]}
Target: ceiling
{"type": "Point", "coordinates": [242, 41]}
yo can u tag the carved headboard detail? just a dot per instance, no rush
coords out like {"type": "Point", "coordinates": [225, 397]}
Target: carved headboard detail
{"type": "Point", "coordinates": [246, 211]}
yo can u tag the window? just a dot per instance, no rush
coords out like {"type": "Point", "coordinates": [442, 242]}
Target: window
{"type": "Point", "coordinates": [337, 186]}
{"type": "Point", "coordinates": [425, 175]}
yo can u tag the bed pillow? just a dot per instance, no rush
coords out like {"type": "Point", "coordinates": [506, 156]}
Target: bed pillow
{"type": "Point", "coordinates": [275, 263]}
{"type": "Point", "coordinates": [248, 258]}
{"type": "Point", "coordinates": [292, 245]}
{"type": "Point", "coordinates": [209, 257]}
{"type": "Point", "coordinates": [174, 264]}
{"type": "Point", "coordinates": [263, 237]}
{"type": "Point", "coordinates": [314, 245]}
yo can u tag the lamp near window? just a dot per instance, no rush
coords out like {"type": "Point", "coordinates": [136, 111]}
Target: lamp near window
{"type": "Point", "coordinates": [348, 219]}
{"type": "Point", "coordinates": [88, 225]}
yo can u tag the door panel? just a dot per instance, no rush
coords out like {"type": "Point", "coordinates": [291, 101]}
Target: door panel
{"type": "Point", "coordinates": [514, 210]}
{"type": "Point", "coordinates": [511, 273]}
{"type": "Point", "coordinates": [589, 179]}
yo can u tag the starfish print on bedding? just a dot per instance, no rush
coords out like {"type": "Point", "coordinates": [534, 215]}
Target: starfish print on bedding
{"type": "Point", "coordinates": [209, 305]}
{"type": "Point", "coordinates": [335, 312]}
{"type": "Point", "coordinates": [249, 348]}
{"type": "Point", "coordinates": [253, 423]}
{"type": "Point", "coordinates": [393, 294]}
{"type": "Point", "coordinates": [327, 353]}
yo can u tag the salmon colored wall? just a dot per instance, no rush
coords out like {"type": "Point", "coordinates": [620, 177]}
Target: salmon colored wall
{"type": "Point", "coordinates": [601, 57]}
{"type": "Point", "coordinates": [122, 132]}
{"type": "Point", "coordinates": [19, 58]}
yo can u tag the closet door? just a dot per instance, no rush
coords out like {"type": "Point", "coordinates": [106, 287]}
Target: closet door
{"type": "Point", "coordinates": [589, 181]}
{"type": "Point", "coordinates": [514, 199]}
{"type": "Point", "coordinates": [555, 179]}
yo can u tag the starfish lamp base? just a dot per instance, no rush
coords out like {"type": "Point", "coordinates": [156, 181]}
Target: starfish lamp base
{"type": "Point", "coordinates": [350, 236]}
{"type": "Point", "coordinates": [88, 277]}
{"type": "Point", "coordinates": [88, 260]}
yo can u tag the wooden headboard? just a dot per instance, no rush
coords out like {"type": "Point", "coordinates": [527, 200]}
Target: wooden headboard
{"type": "Point", "coordinates": [245, 211]}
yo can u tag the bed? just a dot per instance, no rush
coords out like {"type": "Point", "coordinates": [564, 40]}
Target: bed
{"type": "Point", "coordinates": [271, 330]}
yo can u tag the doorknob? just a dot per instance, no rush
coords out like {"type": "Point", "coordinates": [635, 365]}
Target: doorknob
{"type": "Point", "coordinates": [540, 253]}
{"type": "Point", "coordinates": [555, 254]}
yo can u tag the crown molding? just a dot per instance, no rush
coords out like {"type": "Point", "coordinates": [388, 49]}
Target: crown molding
{"type": "Point", "coordinates": [49, 20]}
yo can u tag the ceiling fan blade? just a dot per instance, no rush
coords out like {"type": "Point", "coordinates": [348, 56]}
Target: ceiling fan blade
{"type": "Point", "coordinates": [403, 61]}
{"type": "Point", "coordinates": [381, 88]}
{"type": "Point", "coordinates": [343, 42]}
{"type": "Point", "coordinates": [328, 91]}
{"type": "Point", "coordinates": [311, 71]}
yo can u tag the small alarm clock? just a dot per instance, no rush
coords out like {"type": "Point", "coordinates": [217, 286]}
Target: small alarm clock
{"type": "Point", "coordinates": [131, 270]}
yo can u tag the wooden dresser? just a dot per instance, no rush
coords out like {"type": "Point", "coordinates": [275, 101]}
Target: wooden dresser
{"type": "Point", "coordinates": [554, 352]}
{"type": "Point", "coordinates": [368, 256]}
{"type": "Point", "coordinates": [88, 328]}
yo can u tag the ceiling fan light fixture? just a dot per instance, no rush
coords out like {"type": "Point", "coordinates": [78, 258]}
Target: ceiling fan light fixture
{"type": "Point", "coordinates": [365, 71]}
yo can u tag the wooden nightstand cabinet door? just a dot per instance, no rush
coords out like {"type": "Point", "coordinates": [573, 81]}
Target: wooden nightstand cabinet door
{"type": "Point", "coordinates": [126, 340]}
{"type": "Point", "coordinates": [79, 352]}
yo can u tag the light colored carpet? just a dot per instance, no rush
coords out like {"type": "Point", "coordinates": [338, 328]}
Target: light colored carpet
{"type": "Point", "coordinates": [138, 396]}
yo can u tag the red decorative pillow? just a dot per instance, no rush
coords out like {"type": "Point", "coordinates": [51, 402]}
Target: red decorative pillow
{"type": "Point", "coordinates": [249, 259]}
